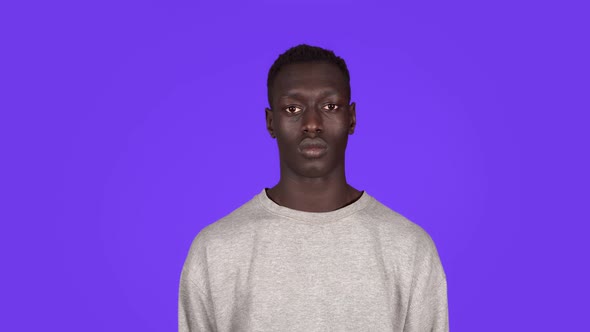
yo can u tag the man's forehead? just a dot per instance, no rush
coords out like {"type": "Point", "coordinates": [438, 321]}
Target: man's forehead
{"type": "Point", "coordinates": [310, 76]}
{"type": "Point", "coordinates": [309, 69]}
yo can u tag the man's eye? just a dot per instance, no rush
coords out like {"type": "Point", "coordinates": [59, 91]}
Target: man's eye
{"type": "Point", "coordinates": [331, 107]}
{"type": "Point", "coordinates": [293, 109]}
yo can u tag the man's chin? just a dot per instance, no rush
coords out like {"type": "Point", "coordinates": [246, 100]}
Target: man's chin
{"type": "Point", "coordinates": [313, 170]}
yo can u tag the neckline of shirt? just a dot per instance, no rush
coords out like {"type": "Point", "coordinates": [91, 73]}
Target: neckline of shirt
{"type": "Point", "coordinates": [313, 217]}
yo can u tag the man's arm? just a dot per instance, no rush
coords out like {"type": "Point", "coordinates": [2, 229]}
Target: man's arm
{"type": "Point", "coordinates": [428, 307]}
{"type": "Point", "coordinates": [194, 308]}
{"type": "Point", "coordinates": [428, 310]}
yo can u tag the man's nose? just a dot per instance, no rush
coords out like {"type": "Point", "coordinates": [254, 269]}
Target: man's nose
{"type": "Point", "coordinates": [312, 121]}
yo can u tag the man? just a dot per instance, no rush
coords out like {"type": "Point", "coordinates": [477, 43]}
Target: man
{"type": "Point", "coordinates": [312, 253]}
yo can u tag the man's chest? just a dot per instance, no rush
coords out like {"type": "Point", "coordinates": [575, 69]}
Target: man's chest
{"type": "Point", "coordinates": [291, 280]}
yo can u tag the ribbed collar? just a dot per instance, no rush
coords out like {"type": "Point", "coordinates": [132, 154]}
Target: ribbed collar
{"type": "Point", "coordinates": [314, 217]}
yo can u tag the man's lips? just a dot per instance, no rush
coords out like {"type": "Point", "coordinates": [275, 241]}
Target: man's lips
{"type": "Point", "coordinates": [313, 143]}
{"type": "Point", "coordinates": [313, 147]}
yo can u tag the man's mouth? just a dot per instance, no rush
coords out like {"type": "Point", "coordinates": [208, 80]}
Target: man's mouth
{"type": "Point", "coordinates": [313, 148]}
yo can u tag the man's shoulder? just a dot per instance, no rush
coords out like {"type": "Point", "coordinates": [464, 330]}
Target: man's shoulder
{"type": "Point", "coordinates": [245, 217]}
{"type": "Point", "coordinates": [393, 225]}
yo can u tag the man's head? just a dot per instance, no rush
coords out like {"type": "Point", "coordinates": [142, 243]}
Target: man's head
{"type": "Point", "coordinates": [310, 114]}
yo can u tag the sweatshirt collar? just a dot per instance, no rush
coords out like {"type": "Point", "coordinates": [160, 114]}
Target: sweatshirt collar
{"type": "Point", "coordinates": [314, 217]}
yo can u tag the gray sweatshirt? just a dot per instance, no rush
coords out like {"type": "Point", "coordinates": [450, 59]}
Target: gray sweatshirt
{"type": "Point", "coordinates": [265, 267]}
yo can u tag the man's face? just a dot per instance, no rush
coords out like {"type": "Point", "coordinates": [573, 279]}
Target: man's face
{"type": "Point", "coordinates": [311, 118]}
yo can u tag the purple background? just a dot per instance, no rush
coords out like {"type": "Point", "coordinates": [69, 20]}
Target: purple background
{"type": "Point", "coordinates": [125, 128]}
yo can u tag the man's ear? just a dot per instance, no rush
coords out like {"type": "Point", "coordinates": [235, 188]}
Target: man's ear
{"type": "Point", "coordinates": [352, 116]}
{"type": "Point", "coordinates": [268, 115]}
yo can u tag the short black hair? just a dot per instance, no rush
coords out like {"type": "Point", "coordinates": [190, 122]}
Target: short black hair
{"type": "Point", "coordinates": [305, 53]}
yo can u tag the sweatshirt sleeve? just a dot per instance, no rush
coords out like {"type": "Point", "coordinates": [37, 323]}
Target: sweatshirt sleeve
{"type": "Point", "coordinates": [428, 307]}
{"type": "Point", "coordinates": [195, 309]}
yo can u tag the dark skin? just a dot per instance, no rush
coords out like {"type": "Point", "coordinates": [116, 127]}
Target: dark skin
{"type": "Point", "coordinates": [310, 103]}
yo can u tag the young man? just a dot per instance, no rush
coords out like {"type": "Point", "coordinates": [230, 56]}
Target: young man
{"type": "Point", "coordinates": [312, 253]}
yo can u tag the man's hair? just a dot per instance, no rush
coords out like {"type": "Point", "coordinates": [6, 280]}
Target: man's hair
{"type": "Point", "coordinates": [305, 53]}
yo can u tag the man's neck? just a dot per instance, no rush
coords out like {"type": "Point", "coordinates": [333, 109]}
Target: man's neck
{"type": "Point", "coordinates": [313, 195]}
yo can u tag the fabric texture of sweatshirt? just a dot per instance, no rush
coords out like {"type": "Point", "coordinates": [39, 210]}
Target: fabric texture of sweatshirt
{"type": "Point", "coordinates": [265, 267]}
